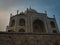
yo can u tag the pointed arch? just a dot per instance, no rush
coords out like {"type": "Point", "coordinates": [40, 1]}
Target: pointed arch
{"type": "Point", "coordinates": [22, 22]}
{"type": "Point", "coordinates": [52, 24]}
{"type": "Point", "coordinates": [12, 23]}
{"type": "Point", "coordinates": [38, 26]}
{"type": "Point", "coordinates": [21, 30]}
{"type": "Point", "coordinates": [10, 31]}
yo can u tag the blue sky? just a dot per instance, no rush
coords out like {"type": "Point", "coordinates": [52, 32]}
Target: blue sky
{"type": "Point", "coordinates": [10, 6]}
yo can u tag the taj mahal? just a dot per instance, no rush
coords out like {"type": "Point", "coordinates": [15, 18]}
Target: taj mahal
{"type": "Point", "coordinates": [31, 28]}
{"type": "Point", "coordinates": [32, 21]}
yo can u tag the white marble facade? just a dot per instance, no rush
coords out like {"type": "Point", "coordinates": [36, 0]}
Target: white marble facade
{"type": "Point", "coordinates": [32, 21]}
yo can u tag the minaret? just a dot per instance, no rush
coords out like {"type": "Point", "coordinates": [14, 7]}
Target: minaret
{"type": "Point", "coordinates": [45, 12]}
{"type": "Point", "coordinates": [27, 9]}
{"type": "Point", "coordinates": [17, 11]}
{"type": "Point", "coordinates": [53, 16]}
{"type": "Point", "coordinates": [10, 15]}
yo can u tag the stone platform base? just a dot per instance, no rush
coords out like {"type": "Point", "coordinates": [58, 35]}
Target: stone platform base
{"type": "Point", "coordinates": [14, 38]}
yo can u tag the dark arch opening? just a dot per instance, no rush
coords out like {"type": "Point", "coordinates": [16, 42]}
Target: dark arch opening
{"type": "Point", "coordinates": [52, 24]}
{"type": "Point", "coordinates": [22, 22]}
{"type": "Point", "coordinates": [54, 31]}
{"type": "Point", "coordinates": [38, 26]}
{"type": "Point", "coordinates": [10, 31]}
{"type": "Point", "coordinates": [12, 23]}
{"type": "Point", "coordinates": [21, 30]}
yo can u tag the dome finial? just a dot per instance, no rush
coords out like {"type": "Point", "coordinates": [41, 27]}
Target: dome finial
{"type": "Point", "coordinates": [30, 7]}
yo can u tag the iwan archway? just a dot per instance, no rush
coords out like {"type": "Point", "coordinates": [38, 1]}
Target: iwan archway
{"type": "Point", "coordinates": [38, 26]}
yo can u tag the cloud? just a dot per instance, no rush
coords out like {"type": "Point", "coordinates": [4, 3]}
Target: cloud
{"type": "Point", "coordinates": [7, 7]}
{"type": "Point", "coordinates": [4, 17]}
{"type": "Point", "coordinates": [6, 4]}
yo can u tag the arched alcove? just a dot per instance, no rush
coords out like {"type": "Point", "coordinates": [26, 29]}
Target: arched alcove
{"type": "Point", "coordinates": [21, 30]}
{"type": "Point", "coordinates": [38, 26]}
{"type": "Point", "coordinates": [54, 31]}
{"type": "Point", "coordinates": [12, 23]}
{"type": "Point", "coordinates": [52, 24]}
{"type": "Point", "coordinates": [22, 22]}
{"type": "Point", "coordinates": [10, 31]}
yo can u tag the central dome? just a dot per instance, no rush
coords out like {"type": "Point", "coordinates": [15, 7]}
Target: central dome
{"type": "Point", "coordinates": [30, 11]}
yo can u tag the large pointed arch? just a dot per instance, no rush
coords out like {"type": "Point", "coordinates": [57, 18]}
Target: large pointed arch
{"type": "Point", "coordinates": [38, 26]}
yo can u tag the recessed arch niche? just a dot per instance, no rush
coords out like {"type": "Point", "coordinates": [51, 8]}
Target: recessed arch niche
{"type": "Point", "coordinates": [22, 22]}
{"type": "Point", "coordinates": [21, 30]}
{"type": "Point", "coordinates": [52, 24]}
{"type": "Point", "coordinates": [38, 26]}
{"type": "Point", "coordinates": [12, 23]}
